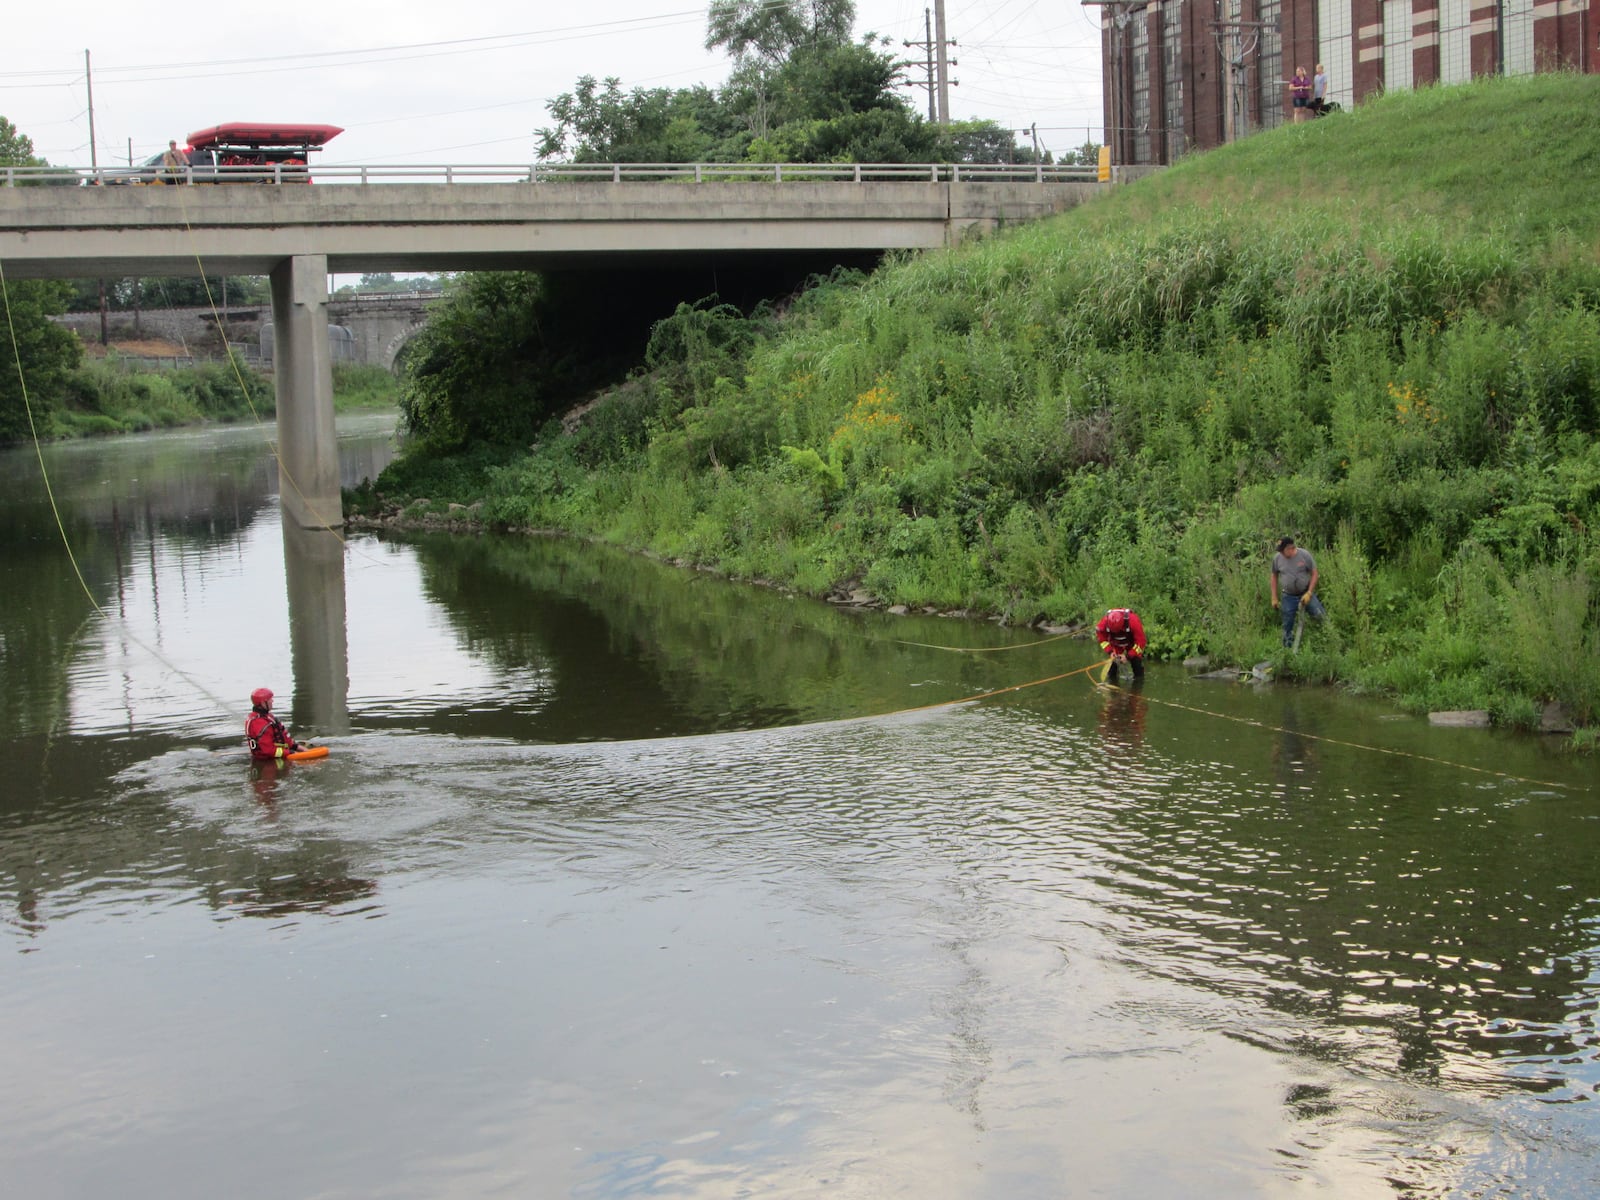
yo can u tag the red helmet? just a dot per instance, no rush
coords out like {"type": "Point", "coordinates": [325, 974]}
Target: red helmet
{"type": "Point", "coordinates": [261, 697]}
{"type": "Point", "coordinates": [1118, 623]}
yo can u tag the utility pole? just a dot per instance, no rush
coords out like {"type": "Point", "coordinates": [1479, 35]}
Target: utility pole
{"type": "Point", "coordinates": [88, 80]}
{"type": "Point", "coordinates": [94, 164]}
{"type": "Point", "coordinates": [926, 46]}
{"type": "Point", "coordinates": [1236, 41]}
{"type": "Point", "coordinates": [1119, 14]}
{"type": "Point", "coordinates": [935, 64]}
{"type": "Point", "coordinates": [943, 62]}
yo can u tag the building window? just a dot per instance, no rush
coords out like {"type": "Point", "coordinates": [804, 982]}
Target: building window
{"type": "Point", "coordinates": [1172, 65]}
{"type": "Point", "coordinates": [1334, 49]}
{"type": "Point", "coordinates": [1455, 41]}
{"type": "Point", "coordinates": [1272, 93]}
{"type": "Point", "coordinates": [1397, 45]}
{"type": "Point", "coordinates": [1517, 22]}
{"type": "Point", "coordinates": [1140, 43]}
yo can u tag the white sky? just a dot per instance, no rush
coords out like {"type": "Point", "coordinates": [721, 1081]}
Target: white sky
{"type": "Point", "coordinates": [418, 81]}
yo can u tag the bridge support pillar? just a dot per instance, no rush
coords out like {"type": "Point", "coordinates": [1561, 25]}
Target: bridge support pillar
{"type": "Point", "coordinates": [302, 370]}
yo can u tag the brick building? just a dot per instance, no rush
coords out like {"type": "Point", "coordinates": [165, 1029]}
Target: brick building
{"type": "Point", "coordinates": [1166, 87]}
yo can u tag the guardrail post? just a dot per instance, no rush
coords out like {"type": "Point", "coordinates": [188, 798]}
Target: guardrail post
{"type": "Point", "coordinates": [616, 172]}
{"type": "Point", "coordinates": [697, 177]}
{"type": "Point", "coordinates": [777, 172]}
{"type": "Point", "coordinates": [449, 175]}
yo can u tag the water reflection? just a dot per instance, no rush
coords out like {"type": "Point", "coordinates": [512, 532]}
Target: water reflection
{"type": "Point", "coordinates": [314, 570]}
{"type": "Point", "coordinates": [1123, 712]}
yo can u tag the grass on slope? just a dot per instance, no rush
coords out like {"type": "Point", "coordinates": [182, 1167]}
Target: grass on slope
{"type": "Point", "coordinates": [1517, 157]}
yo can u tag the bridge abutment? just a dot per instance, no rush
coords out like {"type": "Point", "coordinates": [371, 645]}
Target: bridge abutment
{"type": "Point", "coordinates": [302, 371]}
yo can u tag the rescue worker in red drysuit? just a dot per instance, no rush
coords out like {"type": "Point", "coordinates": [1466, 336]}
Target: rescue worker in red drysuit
{"type": "Point", "coordinates": [269, 741]}
{"type": "Point", "coordinates": [1121, 635]}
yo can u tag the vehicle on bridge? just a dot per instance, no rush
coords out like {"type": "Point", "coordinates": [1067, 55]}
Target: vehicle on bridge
{"type": "Point", "coordinates": [234, 152]}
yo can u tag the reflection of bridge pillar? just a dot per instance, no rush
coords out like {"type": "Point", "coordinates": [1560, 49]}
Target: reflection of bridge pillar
{"type": "Point", "coordinates": [302, 369]}
{"type": "Point", "coordinates": [313, 562]}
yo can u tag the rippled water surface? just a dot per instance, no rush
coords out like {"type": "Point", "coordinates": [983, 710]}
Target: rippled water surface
{"type": "Point", "coordinates": [623, 881]}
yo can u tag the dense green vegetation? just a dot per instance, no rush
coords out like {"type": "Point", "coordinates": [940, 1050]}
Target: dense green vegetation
{"type": "Point", "coordinates": [1379, 333]}
{"type": "Point", "coordinates": [101, 396]}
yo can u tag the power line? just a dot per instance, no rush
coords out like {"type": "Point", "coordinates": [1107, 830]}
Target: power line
{"type": "Point", "coordinates": [300, 61]}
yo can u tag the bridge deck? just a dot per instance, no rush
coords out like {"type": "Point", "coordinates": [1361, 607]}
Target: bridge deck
{"type": "Point", "coordinates": [128, 231]}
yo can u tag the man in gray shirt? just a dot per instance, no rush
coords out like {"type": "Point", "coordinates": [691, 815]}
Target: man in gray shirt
{"type": "Point", "coordinates": [1296, 571]}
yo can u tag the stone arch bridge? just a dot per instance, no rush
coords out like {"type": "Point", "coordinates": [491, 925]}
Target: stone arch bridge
{"type": "Point", "coordinates": [375, 325]}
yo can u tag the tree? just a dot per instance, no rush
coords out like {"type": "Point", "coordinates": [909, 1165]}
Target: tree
{"type": "Point", "coordinates": [762, 35]}
{"type": "Point", "coordinates": [982, 142]}
{"type": "Point", "coordinates": [37, 362]}
{"type": "Point", "coordinates": [880, 135]}
{"type": "Point", "coordinates": [769, 31]}
{"type": "Point", "coordinates": [16, 148]}
{"type": "Point", "coordinates": [34, 367]}
{"type": "Point", "coordinates": [1086, 155]}
{"type": "Point", "coordinates": [125, 295]}
{"type": "Point", "coordinates": [596, 123]}
{"type": "Point", "coordinates": [821, 82]}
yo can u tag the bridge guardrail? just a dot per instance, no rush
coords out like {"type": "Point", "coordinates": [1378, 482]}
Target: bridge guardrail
{"type": "Point", "coordinates": [538, 173]}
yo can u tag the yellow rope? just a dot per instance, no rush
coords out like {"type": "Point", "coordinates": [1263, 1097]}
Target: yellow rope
{"type": "Point", "coordinates": [1317, 737]}
{"type": "Point", "coordinates": [1016, 687]}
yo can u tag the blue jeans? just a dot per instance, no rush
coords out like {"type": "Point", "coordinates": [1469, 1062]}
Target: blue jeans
{"type": "Point", "coordinates": [1291, 605]}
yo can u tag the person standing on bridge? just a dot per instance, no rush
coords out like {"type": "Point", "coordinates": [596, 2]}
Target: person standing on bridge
{"type": "Point", "coordinates": [174, 163]}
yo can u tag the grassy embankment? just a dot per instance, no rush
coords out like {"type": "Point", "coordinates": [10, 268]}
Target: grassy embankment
{"type": "Point", "coordinates": [1379, 332]}
{"type": "Point", "coordinates": [102, 398]}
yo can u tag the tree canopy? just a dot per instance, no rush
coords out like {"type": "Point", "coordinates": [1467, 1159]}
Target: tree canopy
{"type": "Point", "coordinates": [41, 352]}
{"type": "Point", "coordinates": [16, 147]}
{"type": "Point", "coordinates": [801, 90]}
{"type": "Point", "coordinates": [770, 31]}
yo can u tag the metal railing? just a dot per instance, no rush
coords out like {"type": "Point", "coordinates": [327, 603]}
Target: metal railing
{"type": "Point", "coordinates": [539, 173]}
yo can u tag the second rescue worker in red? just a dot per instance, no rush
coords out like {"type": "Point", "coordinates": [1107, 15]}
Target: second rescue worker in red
{"type": "Point", "coordinates": [1121, 635]}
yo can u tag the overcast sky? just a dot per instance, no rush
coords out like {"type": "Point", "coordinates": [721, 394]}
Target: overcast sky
{"type": "Point", "coordinates": [418, 81]}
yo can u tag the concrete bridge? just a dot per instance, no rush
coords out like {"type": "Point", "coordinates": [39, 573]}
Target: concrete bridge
{"type": "Point", "coordinates": [297, 235]}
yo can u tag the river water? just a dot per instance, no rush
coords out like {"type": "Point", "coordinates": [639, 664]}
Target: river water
{"type": "Point", "coordinates": [624, 881]}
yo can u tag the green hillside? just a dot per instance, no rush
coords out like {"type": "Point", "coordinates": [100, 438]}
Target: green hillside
{"type": "Point", "coordinates": [1511, 157]}
{"type": "Point", "coordinates": [1378, 332]}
